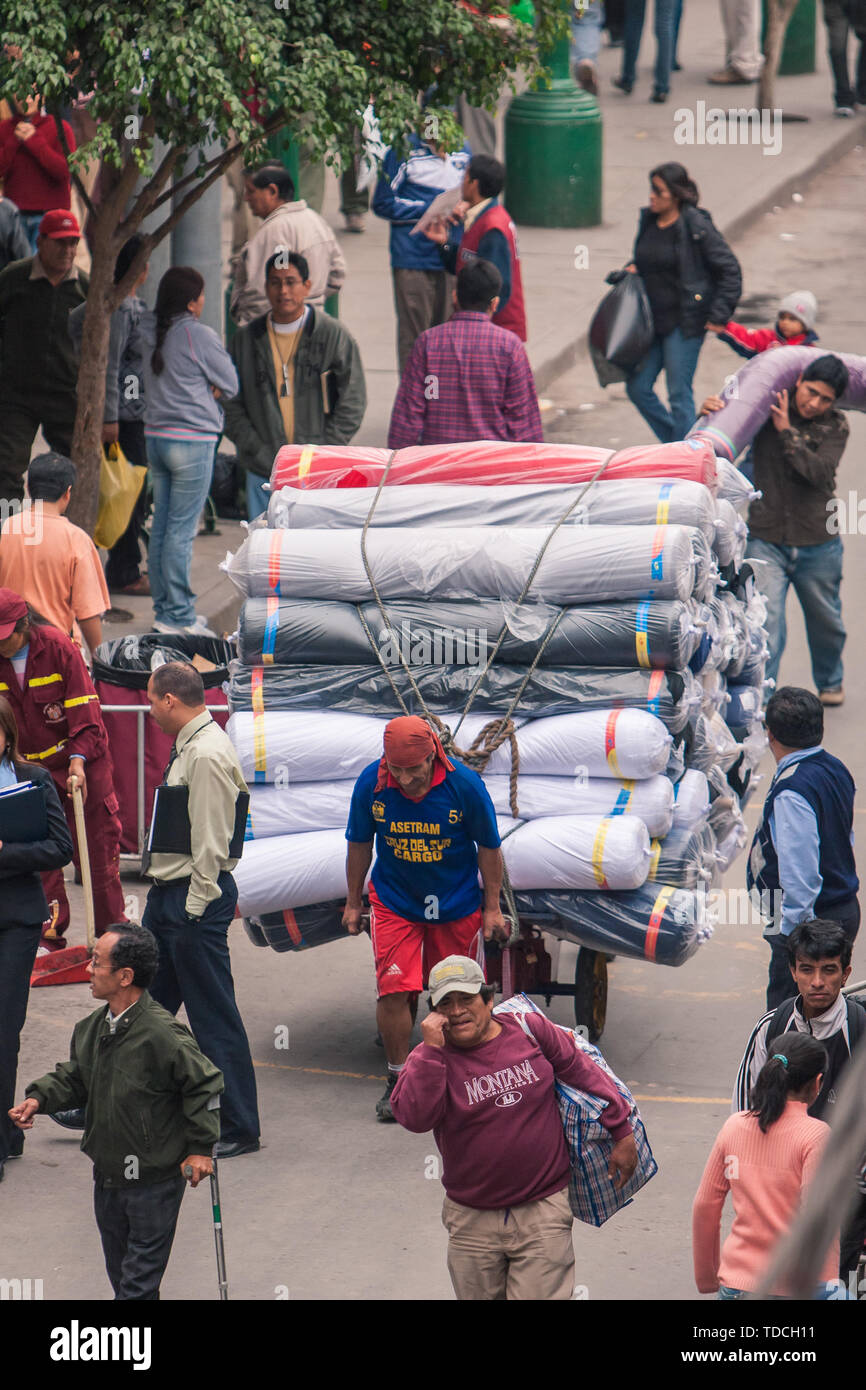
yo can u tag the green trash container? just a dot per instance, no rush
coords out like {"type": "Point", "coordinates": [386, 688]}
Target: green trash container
{"type": "Point", "coordinates": [553, 149]}
{"type": "Point", "coordinates": [798, 50]}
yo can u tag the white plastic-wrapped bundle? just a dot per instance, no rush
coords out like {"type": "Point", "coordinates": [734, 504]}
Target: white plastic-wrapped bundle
{"type": "Point", "coordinates": [276, 809]}
{"type": "Point", "coordinates": [686, 858]}
{"type": "Point", "coordinates": [651, 800]}
{"type": "Point", "coordinates": [706, 566]}
{"type": "Point", "coordinates": [740, 637]}
{"type": "Point", "coordinates": [731, 534]}
{"type": "Point", "coordinates": [623, 502]}
{"type": "Point", "coordinates": [691, 799]}
{"type": "Point", "coordinates": [582, 564]}
{"type": "Point", "coordinates": [294, 746]}
{"type": "Point", "coordinates": [558, 852]}
{"type": "Point", "coordinates": [715, 698]}
{"type": "Point", "coordinates": [734, 486]}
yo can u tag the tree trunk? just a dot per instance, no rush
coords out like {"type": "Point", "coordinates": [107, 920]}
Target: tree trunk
{"type": "Point", "coordinates": [87, 436]}
{"type": "Point", "coordinates": [778, 16]}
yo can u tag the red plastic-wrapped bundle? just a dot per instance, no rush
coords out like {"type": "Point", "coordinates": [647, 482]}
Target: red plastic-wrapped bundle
{"type": "Point", "coordinates": [489, 462]}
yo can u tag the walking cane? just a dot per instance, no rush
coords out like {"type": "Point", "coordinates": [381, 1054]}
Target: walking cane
{"type": "Point", "coordinates": [84, 864]}
{"type": "Point", "coordinates": [217, 1228]}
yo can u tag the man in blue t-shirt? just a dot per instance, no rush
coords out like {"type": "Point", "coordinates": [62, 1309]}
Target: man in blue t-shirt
{"type": "Point", "coordinates": [435, 830]}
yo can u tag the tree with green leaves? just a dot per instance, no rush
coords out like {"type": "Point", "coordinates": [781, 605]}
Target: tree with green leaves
{"type": "Point", "coordinates": [166, 79]}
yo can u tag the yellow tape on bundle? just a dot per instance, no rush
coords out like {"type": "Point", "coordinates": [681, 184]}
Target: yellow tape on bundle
{"type": "Point", "coordinates": [258, 702]}
{"type": "Point", "coordinates": [655, 921]}
{"type": "Point", "coordinates": [656, 847]}
{"type": "Point", "coordinates": [305, 461]}
{"type": "Point", "coordinates": [598, 851]}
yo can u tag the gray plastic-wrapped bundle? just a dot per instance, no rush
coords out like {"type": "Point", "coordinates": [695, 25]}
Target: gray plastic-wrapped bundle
{"type": "Point", "coordinates": [713, 744]}
{"type": "Point", "coordinates": [278, 809]}
{"type": "Point", "coordinates": [685, 858]}
{"type": "Point", "coordinates": [735, 487]}
{"type": "Point", "coordinates": [691, 799]}
{"type": "Point", "coordinates": [660, 634]}
{"type": "Point", "coordinates": [582, 564]}
{"type": "Point", "coordinates": [670, 695]}
{"type": "Point", "coordinates": [622, 502]}
{"type": "Point", "coordinates": [294, 746]}
{"type": "Point", "coordinates": [557, 852]}
{"type": "Point", "coordinates": [664, 924]}
{"type": "Point", "coordinates": [740, 635]}
{"type": "Point", "coordinates": [715, 693]}
{"type": "Point", "coordinates": [706, 567]}
{"type": "Point", "coordinates": [731, 534]}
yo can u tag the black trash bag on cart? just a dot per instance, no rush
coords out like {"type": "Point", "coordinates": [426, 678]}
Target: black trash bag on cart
{"type": "Point", "coordinates": [129, 661]}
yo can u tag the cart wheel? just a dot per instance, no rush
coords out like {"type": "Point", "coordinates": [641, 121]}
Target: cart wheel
{"type": "Point", "coordinates": [590, 991]}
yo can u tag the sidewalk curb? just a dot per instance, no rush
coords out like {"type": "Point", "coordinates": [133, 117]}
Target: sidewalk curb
{"type": "Point", "coordinates": [855, 134]}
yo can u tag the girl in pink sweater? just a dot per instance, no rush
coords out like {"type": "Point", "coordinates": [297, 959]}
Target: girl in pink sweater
{"type": "Point", "coordinates": [765, 1157]}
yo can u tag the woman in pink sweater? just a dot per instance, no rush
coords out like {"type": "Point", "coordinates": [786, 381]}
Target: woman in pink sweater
{"type": "Point", "coordinates": [765, 1157]}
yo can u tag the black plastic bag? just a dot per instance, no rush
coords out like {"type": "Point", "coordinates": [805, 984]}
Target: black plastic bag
{"type": "Point", "coordinates": [622, 330]}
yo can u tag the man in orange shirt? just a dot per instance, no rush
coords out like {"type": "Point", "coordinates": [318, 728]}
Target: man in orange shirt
{"type": "Point", "coordinates": [54, 565]}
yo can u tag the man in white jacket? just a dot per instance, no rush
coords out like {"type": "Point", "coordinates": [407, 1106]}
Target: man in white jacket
{"type": "Point", "coordinates": [287, 225]}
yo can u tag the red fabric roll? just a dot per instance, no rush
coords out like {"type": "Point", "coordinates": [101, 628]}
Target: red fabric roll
{"type": "Point", "coordinates": [489, 462]}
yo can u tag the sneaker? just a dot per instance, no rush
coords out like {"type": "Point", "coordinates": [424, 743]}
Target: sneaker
{"type": "Point", "coordinates": [159, 626]}
{"type": "Point", "coordinates": [845, 113]}
{"type": "Point", "coordinates": [836, 696]}
{"type": "Point", "coordinates": [729, 77]}
{"type": "Point", "coordinates": [585, 76]}
{"type": "Point", "coordinates": [200, 628]}
{"type": "Point", "coordinates": [383, 1106]}
{"type": "Point", "coordinates": [354, 222]}
{"type": "Point", "coordinates": [623, 86]}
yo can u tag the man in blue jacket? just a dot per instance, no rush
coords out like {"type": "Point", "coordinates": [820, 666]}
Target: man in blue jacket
{"type": "Point", "coordinates": [406, 188]}
{"type": "Point", "coordinates": [802, 857]}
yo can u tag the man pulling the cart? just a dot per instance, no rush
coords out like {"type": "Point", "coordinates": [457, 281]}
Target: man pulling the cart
{"type": "Point", "coordinates": [435, 832]}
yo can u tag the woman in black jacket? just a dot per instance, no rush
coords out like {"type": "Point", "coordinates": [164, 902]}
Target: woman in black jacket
{"type": "Point", "coordinates": [23, 911]}
{"type": "Point", "coordinates": [693, 282]}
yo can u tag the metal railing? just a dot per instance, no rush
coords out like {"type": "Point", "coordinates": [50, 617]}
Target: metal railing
{"type": "Point", "coordinates": [140, 711]}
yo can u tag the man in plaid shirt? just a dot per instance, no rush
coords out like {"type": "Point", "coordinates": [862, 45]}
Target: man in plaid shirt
{"type": "Point", "coordinates": [467, 379]}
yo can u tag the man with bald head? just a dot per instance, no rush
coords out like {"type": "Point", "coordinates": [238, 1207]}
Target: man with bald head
{"type": "Point", "coordinates": [434, 828]}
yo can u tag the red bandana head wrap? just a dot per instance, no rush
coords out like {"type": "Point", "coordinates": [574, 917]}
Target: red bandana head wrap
{"type": "Point", "coordinates": [408, 741]}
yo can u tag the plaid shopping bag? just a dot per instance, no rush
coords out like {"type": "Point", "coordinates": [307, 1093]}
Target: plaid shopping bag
{"type": "Point", "coordinates": [591, 1193]}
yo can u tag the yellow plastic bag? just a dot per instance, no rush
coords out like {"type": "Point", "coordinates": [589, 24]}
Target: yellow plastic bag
{"type": "Point", "coordinates": [120, 483]}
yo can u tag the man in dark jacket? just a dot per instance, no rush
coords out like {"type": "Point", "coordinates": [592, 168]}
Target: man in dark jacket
{"type": "Point", "coordinates": [796, 455]}
{"type": "Point", "coordinates": [819, 962]}
{"type": "Point", "coordinates": [151, 1103]}
{"type": "Point", "coordinates": [301, 379]}
{"type": "Point", "coordinates": [38, 363]}
{"type": "Point", "coordinates": [802, 857]}
{"type": "Point", "coordinates": [14, 245]}
{"type": "Point", "coordinates": [693, 282]}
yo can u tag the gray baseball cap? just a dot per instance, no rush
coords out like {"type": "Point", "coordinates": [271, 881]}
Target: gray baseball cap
{"type": "Point", "coordinates": [457, 973]}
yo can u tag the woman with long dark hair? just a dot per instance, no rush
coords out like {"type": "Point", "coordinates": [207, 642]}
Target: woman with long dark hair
{"type": "Point", "coordinates": [693, 282]}
{"type": "Point", "coordinates": [765, 1157]}
{"type": "Point", "coordinates": [23, 912]}
{"type": "Point", "coordinates": [186, 370]}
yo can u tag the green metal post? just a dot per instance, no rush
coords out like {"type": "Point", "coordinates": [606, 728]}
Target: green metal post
{"type": "Point", "coordinates": [553, 150]}
{"type": "Point", "coordinates": [798, 50]}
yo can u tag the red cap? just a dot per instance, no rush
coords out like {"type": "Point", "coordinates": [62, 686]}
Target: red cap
{"type": "Point", "coordinates": [59, 224]}
{"type": "Point", "coordinates": [12, 608]}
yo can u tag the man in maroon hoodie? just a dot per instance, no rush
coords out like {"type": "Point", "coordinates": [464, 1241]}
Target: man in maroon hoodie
{"type": "Point", "coordinates": [486, 1089]}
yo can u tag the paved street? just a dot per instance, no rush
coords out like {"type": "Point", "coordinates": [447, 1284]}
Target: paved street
{"type": "Point", "coordinates": [336, 1206]}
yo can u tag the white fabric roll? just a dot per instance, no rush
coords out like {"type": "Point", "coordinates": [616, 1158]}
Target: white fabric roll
{"type": "Point", "coordinates": [622, 502]}
{"type": "Point", "coordinates": [294, 746]}
{"type": "Point", "coordinates": [582, 564]}
{"type": "Point", "coordinates": [692, 799]}
{"type": "Point", "coordinates": [306, 806]}
{"type": "Point", "coordinates": [557, 852]}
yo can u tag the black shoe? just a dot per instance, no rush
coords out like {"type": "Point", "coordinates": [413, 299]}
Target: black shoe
{"type": "Point", "coordinates": [658, 96]}
{"type": "Point", "coordinates": [2, 1168]}
{"type": "Point", "coordinates": [623, 86]}
{"type": "Point", "coordinates": [383, 1106]}
{"type": "Point", "coordinates": [69, 1119]}
{"type": "Point", "coordinates": [241, 1146]}
{"type": "Point", "coordinates": [676, 67]}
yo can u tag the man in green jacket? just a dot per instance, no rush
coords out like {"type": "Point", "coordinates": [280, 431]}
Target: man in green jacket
{"type": "Point", "coordinates": [38, 363]}
{"type": "Point", "coordinates": [151, 1103]}
{"type": "Point", "coordinates": [301, 378]}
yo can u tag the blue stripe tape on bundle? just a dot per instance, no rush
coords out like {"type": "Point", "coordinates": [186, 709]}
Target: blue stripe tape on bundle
{"type": "Point", "coordinates": [269, 640]}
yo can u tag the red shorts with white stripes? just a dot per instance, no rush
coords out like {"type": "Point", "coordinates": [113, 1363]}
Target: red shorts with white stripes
{"type": "Point", "coordinates": [405, 952]}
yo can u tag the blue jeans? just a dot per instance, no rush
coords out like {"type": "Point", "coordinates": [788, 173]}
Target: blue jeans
{"type": "Point", "coordinates": [586, 33]}
{"type": "Point", "coordinates": [257, 498]}
{"type": "Point", "coordinates": [824, 1293]}
{"type": "Point", "coordinates": [679, 358]}
{"type": "Point", "coordinates": [30, 222]}
{"type": "Point", "coordinates": [816, 574]}
{"type": "Point", "coordinates": [181, 472]}
{"type": "Point", "coordinates": [635, 11]}
{"type": "Point", "coordinates": [195, 969]}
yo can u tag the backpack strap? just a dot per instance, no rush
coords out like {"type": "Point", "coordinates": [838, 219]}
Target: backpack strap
{"type": "Point", "coordinates": [856, 1023]}
{"type": "Point", "coordinates": [780, 1020]}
